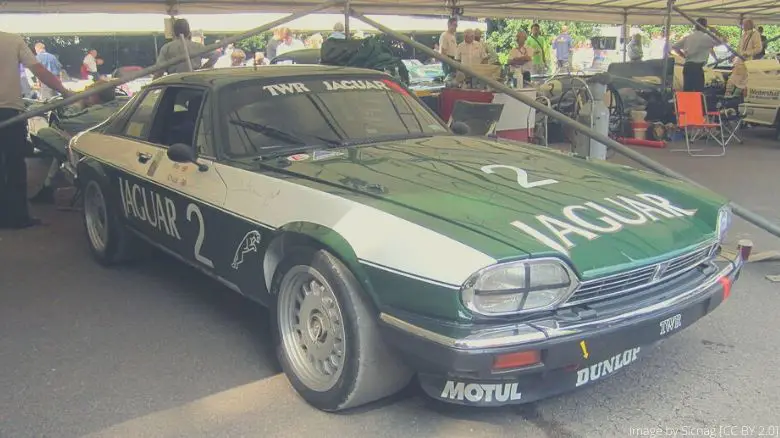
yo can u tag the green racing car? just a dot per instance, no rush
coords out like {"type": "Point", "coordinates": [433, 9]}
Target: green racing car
{"type": "Point", "coordinates": [389, 248]}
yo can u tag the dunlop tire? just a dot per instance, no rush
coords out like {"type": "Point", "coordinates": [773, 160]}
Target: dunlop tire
{"type": "Point", "coordinates": [372, 371]}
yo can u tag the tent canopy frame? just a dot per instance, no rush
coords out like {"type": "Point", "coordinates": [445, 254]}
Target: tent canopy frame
{"type": "Point", "coordinates": [741, 211]}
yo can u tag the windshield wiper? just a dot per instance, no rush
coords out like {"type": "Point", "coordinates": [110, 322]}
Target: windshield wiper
{"type": "Point", "coordinates": [390, 137]}
{"type": "Point", "coordinates": [271, 131]}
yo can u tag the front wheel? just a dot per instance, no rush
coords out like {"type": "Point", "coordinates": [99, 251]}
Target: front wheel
{"type": "Point", "coordinates": [329, 342]}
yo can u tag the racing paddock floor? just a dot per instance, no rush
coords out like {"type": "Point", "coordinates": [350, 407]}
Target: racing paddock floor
{"type": "Point", "coordinates": [157, 350]}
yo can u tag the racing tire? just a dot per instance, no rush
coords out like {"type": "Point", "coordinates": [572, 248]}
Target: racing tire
{"type": "Point", "coordinates": [110, 242]}
{"type": "Point", "coordinates": [328, 339]}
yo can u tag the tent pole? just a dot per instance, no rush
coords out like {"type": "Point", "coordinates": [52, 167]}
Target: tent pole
{"type": "Point", "coordinates": [667, 49]}
{"type": "Point", "coordinates": [707, 31]}
{"type": "Point", "coordinates": [625, 35]}
{"type": "Point", "coordinates": [43, 109]}
{"type": "Point", "coordinates": [748, 215]}
{"type": "Point", "coordinates": [347, 32]}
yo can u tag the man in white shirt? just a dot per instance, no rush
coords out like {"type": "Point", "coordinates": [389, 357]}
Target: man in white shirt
{"type": "Point", "coordinates": [470, 52]}
{"type": "Point", "coordinates": [696, 48]}
{"type": "Point", "coordinates": [14, 148]}
{"type": "Point", "coordinates": [288, 43]}
{"type": "Point", "coordinates": [90, 64]}
{"type": "Point", "coordinates": [448, 43]}
{"type": "Point", "coordinates": [519, 57]}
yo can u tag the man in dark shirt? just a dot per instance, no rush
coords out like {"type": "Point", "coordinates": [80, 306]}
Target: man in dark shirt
{"type": "Point", "coordinates": [273, 43]}
{"type": "Point", "coordinates": [762, 53]}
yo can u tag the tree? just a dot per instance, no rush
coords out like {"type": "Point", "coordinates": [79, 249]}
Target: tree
{"type": "Point", "coordinates": [502, 32]}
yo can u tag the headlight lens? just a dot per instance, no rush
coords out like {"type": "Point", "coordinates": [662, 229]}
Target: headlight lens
{"type": "Point", "coordinates": [724, 223]}
{"type": "Point", "coordinates": [519, 287]}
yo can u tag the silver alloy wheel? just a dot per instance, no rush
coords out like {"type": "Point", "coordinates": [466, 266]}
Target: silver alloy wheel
{"type": "Point", "coordinates": [96, 216]}
{"type": "Point", "coordinates": [312, 328]}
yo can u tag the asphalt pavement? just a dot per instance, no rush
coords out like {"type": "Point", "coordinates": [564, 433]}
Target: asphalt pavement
{"type": "Point", "coordinates": [155, 349]}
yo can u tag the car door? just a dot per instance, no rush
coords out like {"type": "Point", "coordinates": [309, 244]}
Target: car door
{"type": "Point", "coordinates": [196, 189]}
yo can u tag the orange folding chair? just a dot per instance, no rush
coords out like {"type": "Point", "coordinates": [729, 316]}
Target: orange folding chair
{"type": "Point", "coordinates": [693, 117]}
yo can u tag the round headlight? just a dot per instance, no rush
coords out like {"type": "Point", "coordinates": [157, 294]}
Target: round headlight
{"type": "Point", "coordinates": [724, 223]}
{"type": "Point", "coordinates": [519, 287]}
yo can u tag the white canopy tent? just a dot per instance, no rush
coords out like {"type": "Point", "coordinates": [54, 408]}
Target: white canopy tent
{"type": "Point", "coordinates": [602, 11]}
{"type": "Point", "coordinates": [108, 24]}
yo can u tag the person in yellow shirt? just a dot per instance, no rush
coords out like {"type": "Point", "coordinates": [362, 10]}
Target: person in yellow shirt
{"type": "Point", "coordinates": [750, 47]}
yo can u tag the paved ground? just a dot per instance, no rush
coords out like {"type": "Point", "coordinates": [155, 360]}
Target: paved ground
{"type": "Point", "coordinates": [157, 350]}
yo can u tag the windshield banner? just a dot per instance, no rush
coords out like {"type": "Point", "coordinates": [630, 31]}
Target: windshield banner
{"type": "Point", "coordinates": [322, 86]}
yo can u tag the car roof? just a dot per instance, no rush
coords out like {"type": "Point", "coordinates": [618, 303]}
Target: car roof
{"type": "Point", "coordinates": [224, 76]}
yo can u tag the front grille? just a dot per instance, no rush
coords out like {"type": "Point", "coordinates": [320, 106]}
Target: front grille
{"type": "Point", "coordinates": [639, 279]}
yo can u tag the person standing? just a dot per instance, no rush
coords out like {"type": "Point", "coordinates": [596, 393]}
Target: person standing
{"type": "Point", "coordinates": [749, 48]}
{"type": "Point", "coordinates": [470, 52]}
{"type": "Point", "coordinates": [27, 91]}
{"type": "Point", "coordinates": [563, 48]}
{"type": "Point", "coordinates": [635, 52]}
{"type": "Point", "coordinates": [762, 53]}
{"type": "Point", "coordinates": [288, 42]}
{"type": "Point", "coordinates": [448, 43]}
{"type": "Point", "coordinates": [176, 48]}
{"type": "Point", "coordinates": [52, 64]}
{"type": "Point", "coordinates": [519, 57]}
{"type": "Point", "coordinates": [273, 45]}
{"type": "Point", "coordinates": [695, 48]}
{"type": "Point", "coordinates": [492, 56]}
{"type": "Point", "coordinates": [338, 32]}
{"type": "Point", "coordinates": [89, 68]}
{"type": "Point", "coordinates": [539, 45]}
{"type": "Point", "coordinates": [14, 148]}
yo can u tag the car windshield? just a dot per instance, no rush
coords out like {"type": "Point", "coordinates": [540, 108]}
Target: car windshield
{"type": "Point", "coordinates": [262, 118]}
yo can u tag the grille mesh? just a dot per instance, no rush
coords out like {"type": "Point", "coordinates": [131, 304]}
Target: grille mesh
{"type": "Point", "coordinates": [639, 279]}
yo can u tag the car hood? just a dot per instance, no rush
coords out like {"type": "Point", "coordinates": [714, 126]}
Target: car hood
{"type": "Point", "coordinates": [442, 183]}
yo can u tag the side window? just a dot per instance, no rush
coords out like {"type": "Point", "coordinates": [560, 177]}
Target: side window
{"type": "Point", "coordinates": [177, 116]}
{"type": "Point", "coordinates": [204, 137]}
{"type": "Point", "coordinates": [140, 123]}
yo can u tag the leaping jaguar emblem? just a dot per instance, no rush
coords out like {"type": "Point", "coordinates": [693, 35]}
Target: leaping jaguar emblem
{"type": "Point", "coordinates": [248, 244]}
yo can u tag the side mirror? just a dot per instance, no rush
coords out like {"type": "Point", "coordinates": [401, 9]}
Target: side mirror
{"type": "Point", "coordinates": [182, 153]}
{"type": "Point", "coordinates": [460, 128]}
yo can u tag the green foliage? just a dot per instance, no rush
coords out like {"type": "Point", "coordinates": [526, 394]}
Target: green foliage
{"type": "Point", "coordinates": [503, 34]}
{"type": "Point", "coordinates": [255, 43]}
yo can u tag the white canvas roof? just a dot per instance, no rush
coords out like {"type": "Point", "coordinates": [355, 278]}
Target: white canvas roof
{"type": "Point", "coordinates": [601, 11]}
{"type": "Point", "coordinates": [108, 24]}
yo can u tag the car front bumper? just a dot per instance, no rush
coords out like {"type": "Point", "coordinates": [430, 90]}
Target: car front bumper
{"type": "Point", "coordinates": [574, 352]}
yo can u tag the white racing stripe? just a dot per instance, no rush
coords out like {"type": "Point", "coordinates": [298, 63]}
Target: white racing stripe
{"type": "Point", "coordinates": [379, 239]}
{"type": "Point", "coordinates": [376, 237]}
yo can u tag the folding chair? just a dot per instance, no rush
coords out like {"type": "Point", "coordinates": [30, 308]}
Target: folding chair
{"type": "Point", "coordinates": [731, 118]}
{"type": "Point", "coordinates": [481, 118]}
{"type": "Point", "coordinates": [693, 117]}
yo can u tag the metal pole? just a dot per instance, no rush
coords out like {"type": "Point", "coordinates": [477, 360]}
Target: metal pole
{"type": "Point", "coordinates": [707, 31]}
{"type": "Point", "coordinates": [746, 214]}
{"type": "Point", "coordinates": [625, 35]}
{"type": "Point", "coordinates": [347, 7]}
{"type": "Point", "coordinates": [43, 109]}
{"type": "Point", "coordinates": [667, 49]}
{"type": "Point", "coordinates": [186, 51]}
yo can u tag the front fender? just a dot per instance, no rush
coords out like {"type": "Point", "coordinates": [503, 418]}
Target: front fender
{"type": "Point", "coordinates": [337, 244]}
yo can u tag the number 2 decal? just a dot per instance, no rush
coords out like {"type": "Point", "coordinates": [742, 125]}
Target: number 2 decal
{"type": "Point", "coordinates": [522, 176]}
{"type": "Point", "coordinates": [193, 209]}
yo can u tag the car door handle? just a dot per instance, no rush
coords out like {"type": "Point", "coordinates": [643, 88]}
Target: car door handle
{"type": "Point", "coordinates": [144, 157]}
